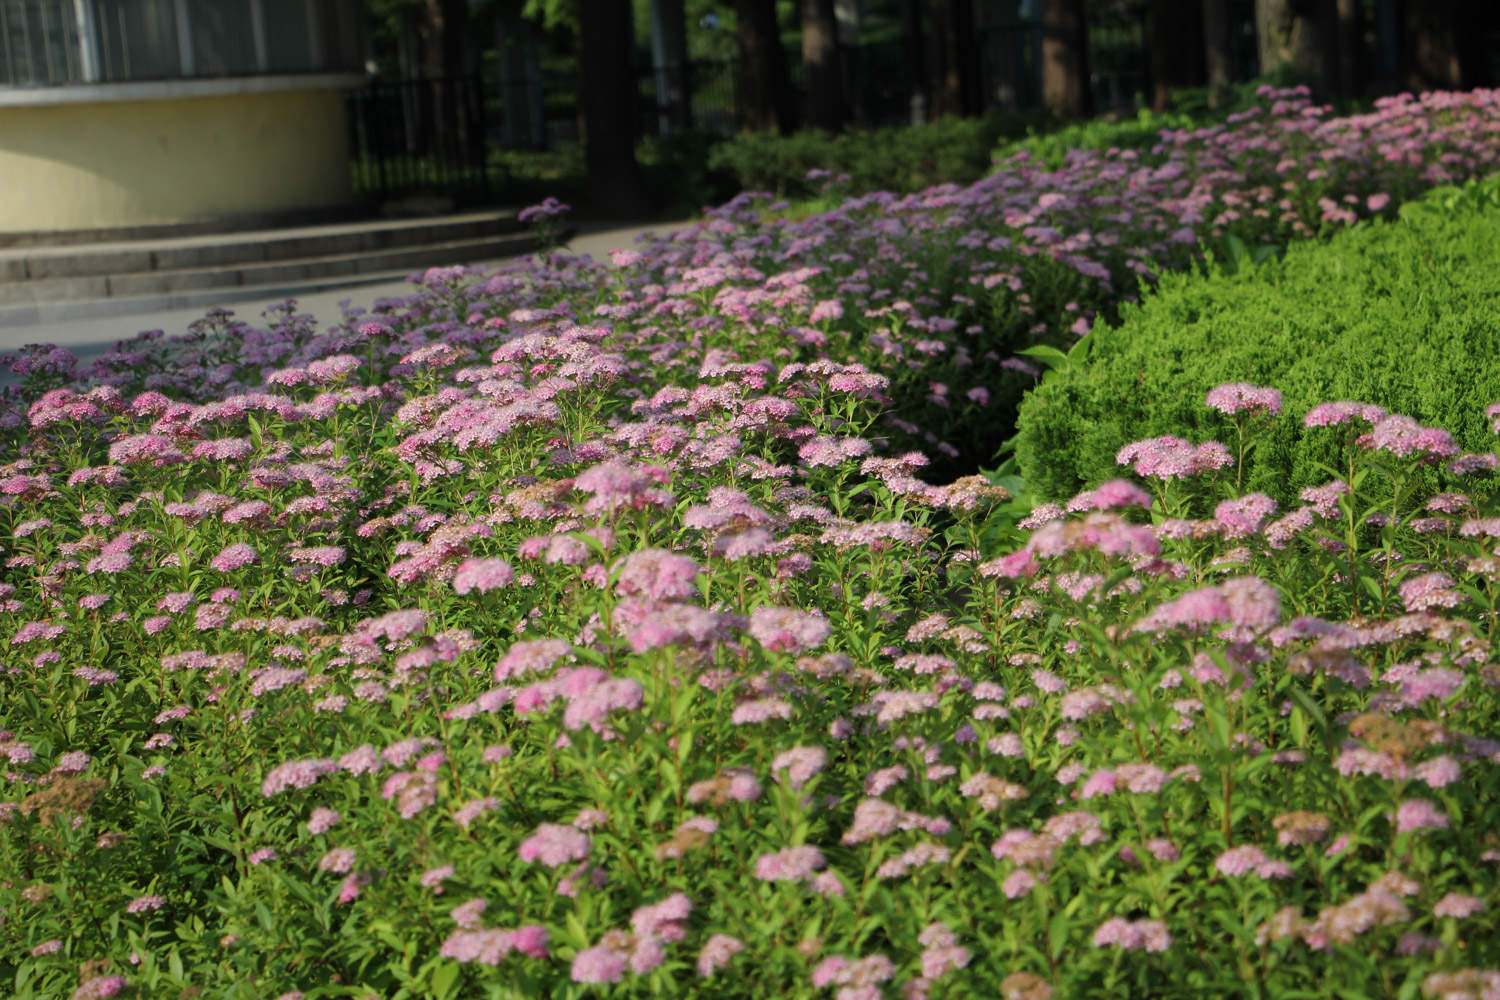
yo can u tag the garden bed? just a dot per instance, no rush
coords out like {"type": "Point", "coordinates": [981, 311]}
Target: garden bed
{"type": "Point", "coordinates": [602, 628]}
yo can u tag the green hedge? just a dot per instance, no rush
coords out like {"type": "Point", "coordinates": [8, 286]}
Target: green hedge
{"type": "Point", "coordinates": [1403, 314]}
{"type": "Point", "coordinates": [901, 160]}
{"type": "Point", "coordinates": [1051, 142]}
{"type": "Point", "coordinates": [1141, 132]}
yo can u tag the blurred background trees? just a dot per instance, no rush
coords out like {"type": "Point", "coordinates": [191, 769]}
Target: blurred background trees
{"type": "Point", "coordinates": [611, 74]}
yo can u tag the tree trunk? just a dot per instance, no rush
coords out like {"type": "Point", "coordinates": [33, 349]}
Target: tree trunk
{"type": "Point", "coordinates": [442, 38]}
{"type": "Point", "coordinates": [444, 33]}
{"type": "Point", "coordinates": [915, 44]}
{"type": "Point", "coordinates": [1348, 50]}
{"type": "Point", "coordinates": [955, 63]}
{"type": "Point", "coordinates": [1216, 62]}
{"type": "Point", "coordinates": [608, 102]}
{"type": "Point", "coordinates": [1442, 44]}
{"type": "Point", "coordinates": [825, 72]}
{"type": "Point", "coordinates": [1176, 42]}
{"type": "Point", "coordinates": [1065, 59]}
{"type": "Point", "coordinates": [765, 89]}
{"type": "Point", "coordinates": [669, 63]}
{"type": "Point", "coordinates": [1296, 40]}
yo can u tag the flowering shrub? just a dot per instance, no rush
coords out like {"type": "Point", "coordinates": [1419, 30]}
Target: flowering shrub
{"type": "Point", "coordinates": [1399, 306]}
{"type": "Point", "coordinates": [576, 629]}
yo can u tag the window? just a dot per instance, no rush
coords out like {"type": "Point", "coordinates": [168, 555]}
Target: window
{"type": "Point", "coordinates": [48, 42]}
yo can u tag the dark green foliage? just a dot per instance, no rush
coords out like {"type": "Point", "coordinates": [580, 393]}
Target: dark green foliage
{"type": "Point", "coordinates": [1403, 314]}
{"type": "Point", "coordinates": [900, 160]}
{"type": "Point", "coordinates": [1140, 132]}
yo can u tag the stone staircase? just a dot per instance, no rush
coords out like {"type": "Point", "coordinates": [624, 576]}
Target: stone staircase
{"type": "Point", "coordinates": [42, 283]}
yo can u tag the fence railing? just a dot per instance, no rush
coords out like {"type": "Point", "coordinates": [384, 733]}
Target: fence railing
{"type": "Point", "coordinates": [412, 136]}
{"type": "Point", "coordinates": [437, 135]}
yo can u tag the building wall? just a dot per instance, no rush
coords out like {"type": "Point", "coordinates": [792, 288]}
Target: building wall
{"type": "Point", "coordinates": [89, 164]}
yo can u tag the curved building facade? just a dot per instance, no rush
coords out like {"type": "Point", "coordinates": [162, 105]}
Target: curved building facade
{"type": "Point", "coordinates": [121, 113]}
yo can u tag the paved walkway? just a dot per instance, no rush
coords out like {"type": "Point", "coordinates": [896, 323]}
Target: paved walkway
{"type": "Point", "coordinates": [91, 337]}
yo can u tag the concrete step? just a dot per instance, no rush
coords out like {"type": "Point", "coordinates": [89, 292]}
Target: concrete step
{"type": "Point", "coordinates": [52, 314]}
{"type": "Point", "coordinates": [329, 269]}
{"type": "Point", "coordinates": [36, 263]}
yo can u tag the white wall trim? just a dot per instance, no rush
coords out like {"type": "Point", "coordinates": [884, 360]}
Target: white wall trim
{"type": "Point", "coordinates": [164, 90]}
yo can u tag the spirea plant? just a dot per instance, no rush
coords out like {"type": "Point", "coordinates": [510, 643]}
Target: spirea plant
{"type": "Point", "coordinates": [584, 630]}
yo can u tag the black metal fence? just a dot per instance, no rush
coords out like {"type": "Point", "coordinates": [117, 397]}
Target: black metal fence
{"type": "Point", "coordinates": [420, 136]}
{"type": "Point", "coordinates": [437, 136]}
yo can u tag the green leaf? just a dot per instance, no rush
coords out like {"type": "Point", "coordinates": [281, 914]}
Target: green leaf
{"type": "Point", "coordinates": [1049, 356]}
{"type": "Point", "coordinates": [1238, 254]}
{"type": "Point", "coordinates": [444, 979]}
{"type": "Point", "coordinates": [1298, 723]}
{"type": "Point", "coordinates": [1057, 933]}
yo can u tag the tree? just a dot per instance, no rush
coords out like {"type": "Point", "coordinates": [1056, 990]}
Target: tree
{"type": "Point", "coordinates": [1176, 43]}
{"type": "Point", "coordinates": [669, 64]}
{"type": "Point", "coordinates": [1442, 44]}
{"type": "Point", "coordinates": [1349, 63]}
{"type": "Point", "coordinates": [1065, 59]}
{"type": "Point", "coordinates": [765, 89]}
{"type": "Point", "coordinates": [443, 28]}
{"type": "Point", "coordinates": [955, 62]}
{"type": "Point", "coordinates": [916, 48]}
{"type": "Point", "coordinates": [608, 102]}
{"type": "Point", "coordinates": [1295, 39]}
{"type": "Point", "coordinates": [825, 73]}
{"type": "Point", "coordinates": [1216, 62]}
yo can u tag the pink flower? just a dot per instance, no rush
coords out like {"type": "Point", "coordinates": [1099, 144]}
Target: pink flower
{"type": "Point", "coordinates": [1458, 906]}
{"type": "Point", "coordinates": [1101, 782]}
{"type": "Point", "coordinates": [800, 764]}
{"type": "Point", "coordinates": [1343, 412]}
{"type": "Point", "coordinates": [1240, 860]}
{"type": "Point", "coordinates": [349, 888]}
{"type": "Point", "coordinates": [1239, 397]}
{"type": "Point", "coordinates": [530, 940]}
{"type": "Point", "coordinates": [321, 821]}
{"type": "Point", "coordinates": [530, 656]}
{"type": "Point", "coordinates": [600, 964]}
{"type": "Point", "coordinates": [1402, 436]}
{"type": "Point", "coordinates": [433, 878]}
{"type": "Point", "coordinates": [1430, 590]}
{"type": "Point", "coordinates": [1018, 883]}
{"type": "Point", "coordinates": [615, 485]}
{"type": "Point", "coordinates": [827, 310]}
{"type": "Point", "coordinates": [716, 953]}
{"type": "Point", "coordinates": [145, 904]}
{"type": "Point", "coordinates": [792, 864]}
{"type": "Point", "coordinates": [1173, 458]}
{"type": "Point", "coordinates": [1419, 814]}
{"type": "Point", "coordinates": [1243, 516]}
{"type": "Point", "coordinates": [1148, 935]}
{"type": "Point", "coordinates": [665, 919]}
{"type": "Point", "coordinates": [467, 914]}
{"type": "Point", "coordinates": [296, 774]}
{"type": "Point", "coordinates": [100, 987]}
{"type": "Point", "coordinates": [787, 629]}
{"type": "Point", "coordinates": [234, 557]}
{"type": "Point", "coordinates": [1119, 493]}
{"type": "Point", "coordinates": [482, 575]}
{"type": "Point", "coordinates": [553, 844]}
{"type": "Point", "coordinates": [657, 574]}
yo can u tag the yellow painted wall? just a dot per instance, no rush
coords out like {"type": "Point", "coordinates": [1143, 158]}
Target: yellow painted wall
{"type": "Point", "coordinates": [128, 163]}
